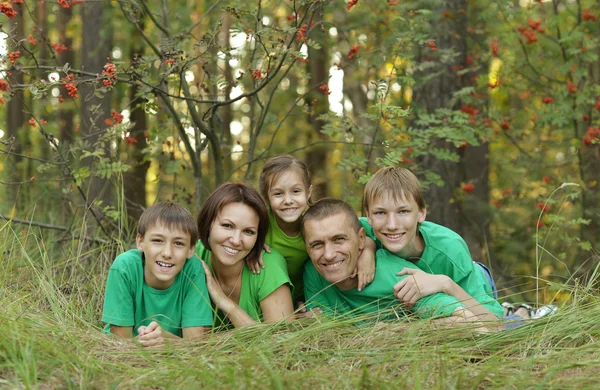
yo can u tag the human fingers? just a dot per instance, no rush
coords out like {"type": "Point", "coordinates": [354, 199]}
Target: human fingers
{"type": "Point", "coordinates": [268, 250]}
{"type": "Point", "coordinates": [407, 271]}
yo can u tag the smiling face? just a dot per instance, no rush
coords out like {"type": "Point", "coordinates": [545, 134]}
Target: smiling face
{"type": "Point", "coordinates": [395, 221]}
{"type": "Point", "coordinates": [233, 233]}
{"type": "Point", "coordinates": [288, 197]}
{"type": "Point", "coordinates": [165, 252]}
{"type": "Point", "coordinates": [334, 246]}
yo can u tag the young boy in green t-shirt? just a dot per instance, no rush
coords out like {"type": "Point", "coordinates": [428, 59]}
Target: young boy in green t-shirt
{"type": "Point", "coordinates": [396, 221]}
{"type": "Point", "coordinates": [158, 291]}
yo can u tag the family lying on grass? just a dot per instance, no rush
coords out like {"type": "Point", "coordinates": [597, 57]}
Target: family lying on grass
{"type": "Point", "coordinates": [242, 262]}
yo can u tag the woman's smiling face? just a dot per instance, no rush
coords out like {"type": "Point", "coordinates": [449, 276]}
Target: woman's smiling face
{"type": "Point", "coordinates": [233, 233]}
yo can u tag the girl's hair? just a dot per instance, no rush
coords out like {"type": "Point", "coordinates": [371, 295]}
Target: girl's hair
{"type": "Point", "coordinates": [234, 193]}
{"type": "Point", "coordinates": [275, 167]}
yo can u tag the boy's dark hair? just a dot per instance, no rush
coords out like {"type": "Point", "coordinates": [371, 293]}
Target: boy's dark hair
{"type": "Point", "coordinates": [398, 182]}
{"type": "Point", "coordinates": [275, 167]}
{"type": "Point", "coordinates": [172, 215]}
{"type": "Point", "coordinates": [234, 193]}
{"type": "Point", "coordinates": [328, 207]}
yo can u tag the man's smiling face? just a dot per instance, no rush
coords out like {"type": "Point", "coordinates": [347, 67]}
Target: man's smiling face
{"type": "Point", "coordinates": [334, 246]}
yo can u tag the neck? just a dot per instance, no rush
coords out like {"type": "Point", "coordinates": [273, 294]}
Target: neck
{"type": "Point", "coordinates": [347, 284]}
{"type": "Point", "coordinates": [291, 229]}
{"type": "Point", "coordinates": [225, 274]}
{"type": "Point", "coordinates": [414, 250]}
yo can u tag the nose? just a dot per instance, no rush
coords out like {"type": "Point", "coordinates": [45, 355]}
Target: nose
{"type": "Point", "coordinates": [329, 252]}
{"type": "Point", "coordinates": [167, 251]}
{"type": "Point", "coordinates": [391, 222]}
{"type": "Point", "coordinates": [236, 238]}
{"type": "Point", "coordinates": [287, 199]}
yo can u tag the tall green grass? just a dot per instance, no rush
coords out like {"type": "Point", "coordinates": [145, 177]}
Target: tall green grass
{"type": "Point", "coordinates": [51, 296]}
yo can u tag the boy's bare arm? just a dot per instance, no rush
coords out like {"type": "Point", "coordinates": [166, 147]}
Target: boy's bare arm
{"type": "Point", "coordinates": [365, 265]}
{"type": "Point", "coordinates": [419, 284]}
{"type": "Point", "coordinates": [122, 331]}
{"type": "Point", "coordinates": [463, 317]}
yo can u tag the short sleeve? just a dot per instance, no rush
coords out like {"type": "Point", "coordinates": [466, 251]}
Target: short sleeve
{"type": "Point", "coordinates": [364, 223]}
{"type": "Point", "coordinates": [196, 310]}
{"type": "Point", "coordinates": [273, 276]}
{"type": "Point", "coordinates": [118, 299]}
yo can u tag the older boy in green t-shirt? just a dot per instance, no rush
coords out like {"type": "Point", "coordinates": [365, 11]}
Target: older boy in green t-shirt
{"type": "Point", "coordinates": [396, 221]}
{"type": "Point", "coordinates": [158, 291]}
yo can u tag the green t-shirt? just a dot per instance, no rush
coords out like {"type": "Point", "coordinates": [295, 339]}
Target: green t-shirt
{"type": "Point", "coordinates": [129, 301]}
{"type": "Point", "coordinates": [446, 253]}
{"type": "Point", "coordinates": [376, 298]}
{"type": "Point", "coordinates": [255, 287]}
{"type": "Point", "coordinates": [292, 249]}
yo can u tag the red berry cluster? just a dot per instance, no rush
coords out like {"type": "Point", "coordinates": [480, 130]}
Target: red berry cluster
{"type": "Point", "coordinates": [13, 56]}
{"type": "Point", "coordinates": [529, 30]}
{"type": "Point", "coordinates": [301, 36]}
{"type": "Point", "coordinates": [8, 10]}
{"type": "Point", "coordinates": [59, 47]}
{"type": "Point", "coordinates": [110, 72]}
{"type": "Point", "coordinates": [351, 4]}
{"type": "Point", "coordinates": [117, 117]}
{"type": "Point", "coordinates": [257, 74]}
{"type": "Point", "coordinates": [468, 187]}
{"type": "Point", "coordinates": [592, 135]}
{"type": "Point", "coordinates": [325, 89]}
{"type": "Point", "coordinates": [547, 100]}
{"type": "Point", "coordinates": [431, 45]}
{"type": "Point", "coordinates": [494, 47]}
{"type": "Point", "coordinates": [64, 3]}
{"type": "Point", "coordinates": [353, 51]}
{"type": "Point", "coordinates": [70, 86]}
{"type": "Point", "coordinates": [32, 40]}
{"type": "Point", "coordinates": [588, 16]}
{"type": "Point", "coordinates": [3, 85]}
{"type": "Point", "coordinates": [471, 111]}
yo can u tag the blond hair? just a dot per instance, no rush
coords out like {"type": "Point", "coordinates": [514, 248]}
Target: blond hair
{"type": "Point", "coordinates": [400, 183]}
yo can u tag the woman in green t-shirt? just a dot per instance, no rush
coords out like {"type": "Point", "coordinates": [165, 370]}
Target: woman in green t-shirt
{"type": "Point", "coordinates": [233, 223]}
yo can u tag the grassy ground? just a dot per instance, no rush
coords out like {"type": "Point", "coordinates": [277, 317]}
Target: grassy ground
{"type": "Point", "coordinates": [50, 304]}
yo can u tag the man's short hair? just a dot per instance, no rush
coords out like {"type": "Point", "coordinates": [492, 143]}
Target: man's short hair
{"type": "Point", "coordinates": [172, 215]}
{"type": "Point", "coordinates": [328, 207]}
{"type": "Point", "coordinates": [398, 182]}
{"type": "Point", "coordinates": [234, 193]}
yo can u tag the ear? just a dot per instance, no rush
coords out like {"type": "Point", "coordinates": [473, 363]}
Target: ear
{"type": "Point", "coordinates": [369, 218]}
{"type": "Point", "coordinates": [139, 240]}
{"type": "Point", "coordinates": [309, 192]}
{"type": "Point", "coordinates": [362, 236]}
{"type": "Point", "coordinates": [191, 251]}
{"type": "Point", "coordinates": [422, 215]}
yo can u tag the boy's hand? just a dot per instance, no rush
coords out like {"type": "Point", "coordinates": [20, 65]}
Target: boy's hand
{"type": "Point", "coordinates": [150, 335]}
{"type": "Point", "coordinates": [302, 312]}
{"type": "Point", "coordinates": [256, 266]}
{"type": "Point", "coordinates": [365, 265]}
{"type": "Point", "coordinates": [418, 284]}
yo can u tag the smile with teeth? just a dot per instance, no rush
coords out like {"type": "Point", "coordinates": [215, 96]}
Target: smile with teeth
{"type": "Point", "coordinates": [394, 236]}
{"type": "Point", "coordinates": [333, 266]}
{"type": "Point", "coordinates": [231, 251]}
{"type": "Point", "coordinates": [164, 265]}
{"type": "Point", "coordinates": [290, 210]}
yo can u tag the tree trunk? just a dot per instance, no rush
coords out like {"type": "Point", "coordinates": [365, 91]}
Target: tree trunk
{"type": "Point", "coordinates": [15, 118]}
{"type": "Point", "coordinates": [96, 48]}
{"type": "Point", "coordinates": [471, 217]}
{"type": "Point", "coordinates": [135, 180]}
{"type": "Point", "coordinates": [65, 113]}
{"type": "Point", "coordinates": [316, 157]}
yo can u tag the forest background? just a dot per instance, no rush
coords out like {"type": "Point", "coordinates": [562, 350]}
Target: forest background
{"type": "Point", "coordinates": [109, 106]}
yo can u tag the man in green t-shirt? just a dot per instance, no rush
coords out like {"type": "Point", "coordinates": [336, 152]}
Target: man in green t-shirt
{"type": "Point", "coordinates": [158, 291]}
{"type": "Point", "coordinates": [334, 240]}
